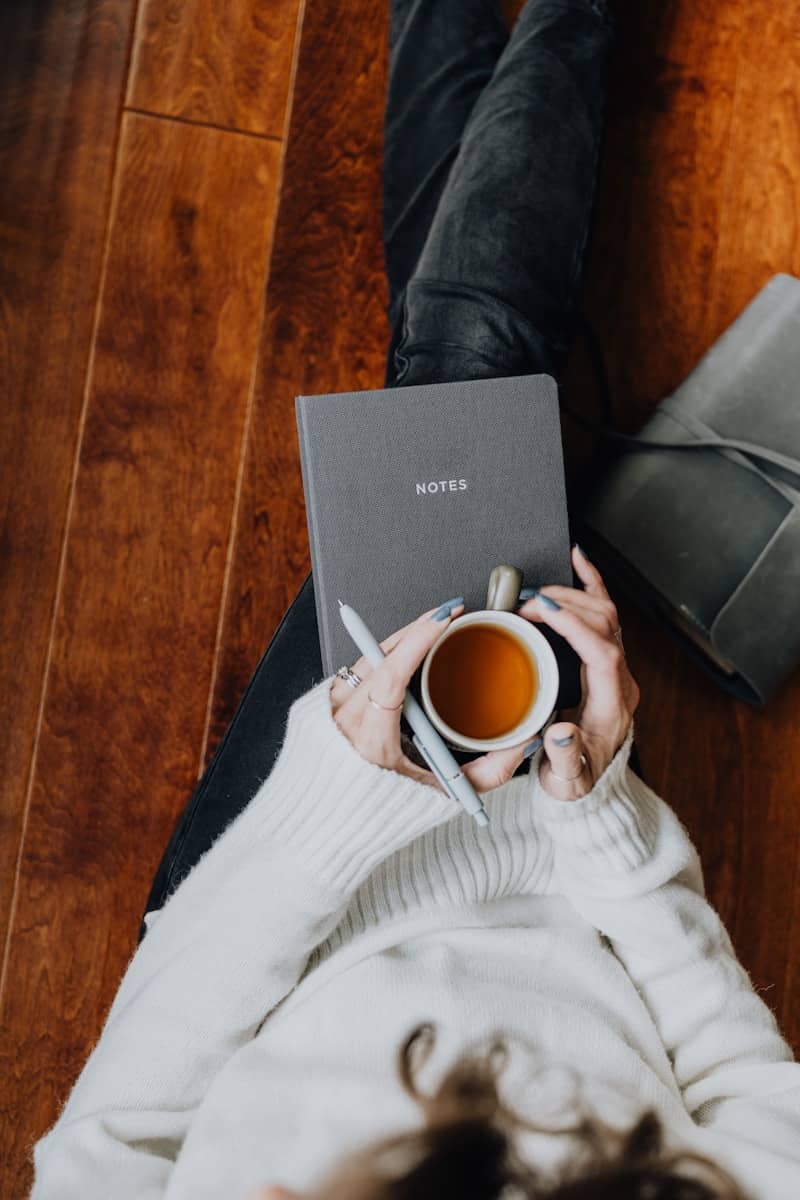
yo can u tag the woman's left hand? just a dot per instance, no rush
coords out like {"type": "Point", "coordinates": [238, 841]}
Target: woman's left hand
{"type": "Point", "coordinates": [375, 732]}
{"type": "Point", "coordinates": [582, 742]}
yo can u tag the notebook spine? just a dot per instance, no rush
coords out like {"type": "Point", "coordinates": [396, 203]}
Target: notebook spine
{"type": "Point", "coordinates": [313, 531]}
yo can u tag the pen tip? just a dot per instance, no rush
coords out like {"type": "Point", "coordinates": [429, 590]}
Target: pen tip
{"type": "Point", "coordinates": [339, 602]}
{"type": "Point", "coordinates": [482, 817]}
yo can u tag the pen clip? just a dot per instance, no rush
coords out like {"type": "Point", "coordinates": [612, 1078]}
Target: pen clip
{"type": "Point", "coordinates": [444, 782]}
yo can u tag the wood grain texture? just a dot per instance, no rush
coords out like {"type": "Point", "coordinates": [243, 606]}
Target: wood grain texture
{"type": "Point", "coordinates": [224, 64]}
{"type": "Point", "coordinates": [664, 170]}
{"type": "Point", "coordinates": [136, 628]}
{"type": "Point", "coordinates": [695, 210]}
{"type": "Point", "coordinates": [62, 75]}
{"type": "Point", "coordinates": [759, 226]}
{"type": "Point", "coordinates": [758, 236]}
{"type": "Point", "coordinates": [697, 133]}
{"type": "Point", "coordinates": [325, 327]}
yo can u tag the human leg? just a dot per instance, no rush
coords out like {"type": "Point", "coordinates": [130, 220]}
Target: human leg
{"type": "Point", "coordinates": [495, 285]}
{"type": "Point", "coordinates": [442, 53]}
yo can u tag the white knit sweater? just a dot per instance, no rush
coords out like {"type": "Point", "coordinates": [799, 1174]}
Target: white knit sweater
{"type": "Point", "coordinates": [254, 1035]}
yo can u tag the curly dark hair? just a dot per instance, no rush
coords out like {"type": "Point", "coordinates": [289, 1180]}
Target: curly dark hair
{"type": "Point", "coordinates": [465, 1149]}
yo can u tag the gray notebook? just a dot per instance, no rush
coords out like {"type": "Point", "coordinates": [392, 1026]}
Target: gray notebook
{"type": "Point", "coordinates": [413, 494]}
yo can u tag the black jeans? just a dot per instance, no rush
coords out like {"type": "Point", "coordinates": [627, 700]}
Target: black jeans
{"type": "Point", "coordinates": [490, 157]}
{"type": "Point", "coordinates": [490, 160]}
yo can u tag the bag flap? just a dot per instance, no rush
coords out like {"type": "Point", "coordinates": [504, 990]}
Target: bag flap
{"type": "Point", "coordinates": [746, 385]}
{"type": "Point", "coordinates": [758, 629]}
{"type": "Point", "coordinates": [692, 524]}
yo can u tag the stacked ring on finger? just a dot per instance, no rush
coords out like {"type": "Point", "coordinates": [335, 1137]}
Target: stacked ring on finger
{"type": "Point", "coordinates": [354, 679]}
{"type": "Point", "coordinates": [349, 676]}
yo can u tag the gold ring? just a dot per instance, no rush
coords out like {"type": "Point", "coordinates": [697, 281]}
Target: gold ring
{"type": "Point", "coordinates": [618, 634]}
{"type": "Point", "coordinates": [386, 707]}
{"type": "Point", "coordinates": [568, 778]}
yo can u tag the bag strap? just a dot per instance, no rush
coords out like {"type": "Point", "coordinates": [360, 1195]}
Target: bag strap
{"type": "Point", "coordinates": [785, 461]}
{"type": "Point", "coordinates": [704, 437]}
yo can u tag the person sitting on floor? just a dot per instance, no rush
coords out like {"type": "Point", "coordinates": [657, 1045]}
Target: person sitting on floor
{"type": "Point", "coordinates": [566, 1010]}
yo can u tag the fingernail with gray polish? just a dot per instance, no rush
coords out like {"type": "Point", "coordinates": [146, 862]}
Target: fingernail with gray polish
{"type": "Point", "coordinates": [581, 550]}
{"type": "Point", "coordinates": [547, 602]}
{"type": "Point", "coordinates": [565, 741]}
{"type": "Point", "coordinates": [443, 613]}
{"type": "Point", "coordinates": [527, 593]}
{"type": "Point", "coordinates": [532, 747]}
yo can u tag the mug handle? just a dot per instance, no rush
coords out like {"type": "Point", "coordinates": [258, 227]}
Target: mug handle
{"type": "Point", "coordinates": [504, 586]}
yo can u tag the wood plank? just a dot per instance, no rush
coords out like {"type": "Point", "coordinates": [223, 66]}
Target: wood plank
{"type": "Point", "coordinates": [223, 64]}
{"type": "Point", "coordinates": [325, 327]}
{"type": "Point", "coordinates": [675, 254]}
{"type": "Point", "coordinates": [663, 174]}
{"type": "Point", "coordinates": [136, 628]}
{"type": "Point", "coordinates": [758, 237]}
{"type": "Point", "coordinates": [758, 226]}
{"type": "Point", "coordinates": [62, 75]}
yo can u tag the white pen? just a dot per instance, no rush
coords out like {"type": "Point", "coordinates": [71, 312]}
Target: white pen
{"type": "Point", "coordinates": [427, 739]}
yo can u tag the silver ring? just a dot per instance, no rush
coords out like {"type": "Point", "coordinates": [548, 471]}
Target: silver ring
{"type": "Point", "coordinates": [568, 778]}
{"type": "Point", "coordinates": [349, 676]}
{"type": "Point", "coordinates": [617, 634]}
{"type": "Point", "coordinates": [386, 707]}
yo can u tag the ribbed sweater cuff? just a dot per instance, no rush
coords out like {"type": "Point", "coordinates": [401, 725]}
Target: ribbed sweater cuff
{"type": "Point", "coordinates": [613, 828]}
{"type": "Point", "coordinates": [341, 814]}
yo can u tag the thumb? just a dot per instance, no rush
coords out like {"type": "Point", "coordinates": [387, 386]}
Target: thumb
{"type": "Point", "coordinates": [494, 769]}
{"type": "Point", "coordinates": [564, 770]}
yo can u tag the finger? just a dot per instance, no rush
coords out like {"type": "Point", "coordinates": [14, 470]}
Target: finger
{"type": "Point", "coordinates": [565, 772]}
{"type": "Point", "coordinates": [341, 689]}
{"type": "Point", "coordinates": [599, 651]}
{"type": "Point", "coordinates": [579, 599]}
{"type": "Point", "coordinates": [588, 573]}
{"type": "Point", "coordinates": [389, 643]}
{"type": "Point", "coordinates": [391, 677]}
{"type": "Point", "coordinates": [494, 769]}
{"type": "Point", "coordinates": [363, 667]}
{"type": "Point", "coordinates": [569, 598]}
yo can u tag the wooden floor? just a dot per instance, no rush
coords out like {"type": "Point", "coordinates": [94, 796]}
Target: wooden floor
{"type": "Point", "coordinates": [189, 237]}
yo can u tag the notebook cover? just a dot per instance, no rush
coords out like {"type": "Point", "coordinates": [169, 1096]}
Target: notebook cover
{"type": "Point", "coordinates": [413, 494]}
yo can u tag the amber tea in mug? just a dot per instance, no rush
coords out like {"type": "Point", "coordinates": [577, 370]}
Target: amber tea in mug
{"type": "Point", "coordinates": [482, 681]}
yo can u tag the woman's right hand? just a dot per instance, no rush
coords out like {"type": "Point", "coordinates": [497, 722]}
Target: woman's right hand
{"type": "Point", "coordinates": [581, 743]}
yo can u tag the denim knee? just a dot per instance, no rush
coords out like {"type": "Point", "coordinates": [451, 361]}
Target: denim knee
{"type": "Point", "coordinates": [450, 327]}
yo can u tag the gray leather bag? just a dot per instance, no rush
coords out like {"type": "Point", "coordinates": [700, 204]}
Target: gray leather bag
{"type": "Point", "coordinates": [705, 533]}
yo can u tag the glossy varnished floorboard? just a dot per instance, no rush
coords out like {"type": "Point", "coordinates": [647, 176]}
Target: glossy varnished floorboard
{"type": "Point", "coordinates": [62, 76]}
{"type": "Point", "coordinates": [161, 310]}
{"type": "Point", "coordinates": [133, 652]}
{"type": "Point", "coordinates": [224, 64]}
{"type": "Point", "coordinates": [325, 328]}
{"type": "Point", "coordinates": [700, 177]}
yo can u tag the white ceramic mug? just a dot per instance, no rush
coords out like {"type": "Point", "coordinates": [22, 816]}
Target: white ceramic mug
{"type": "Point", "coordinates": [504, 588]}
